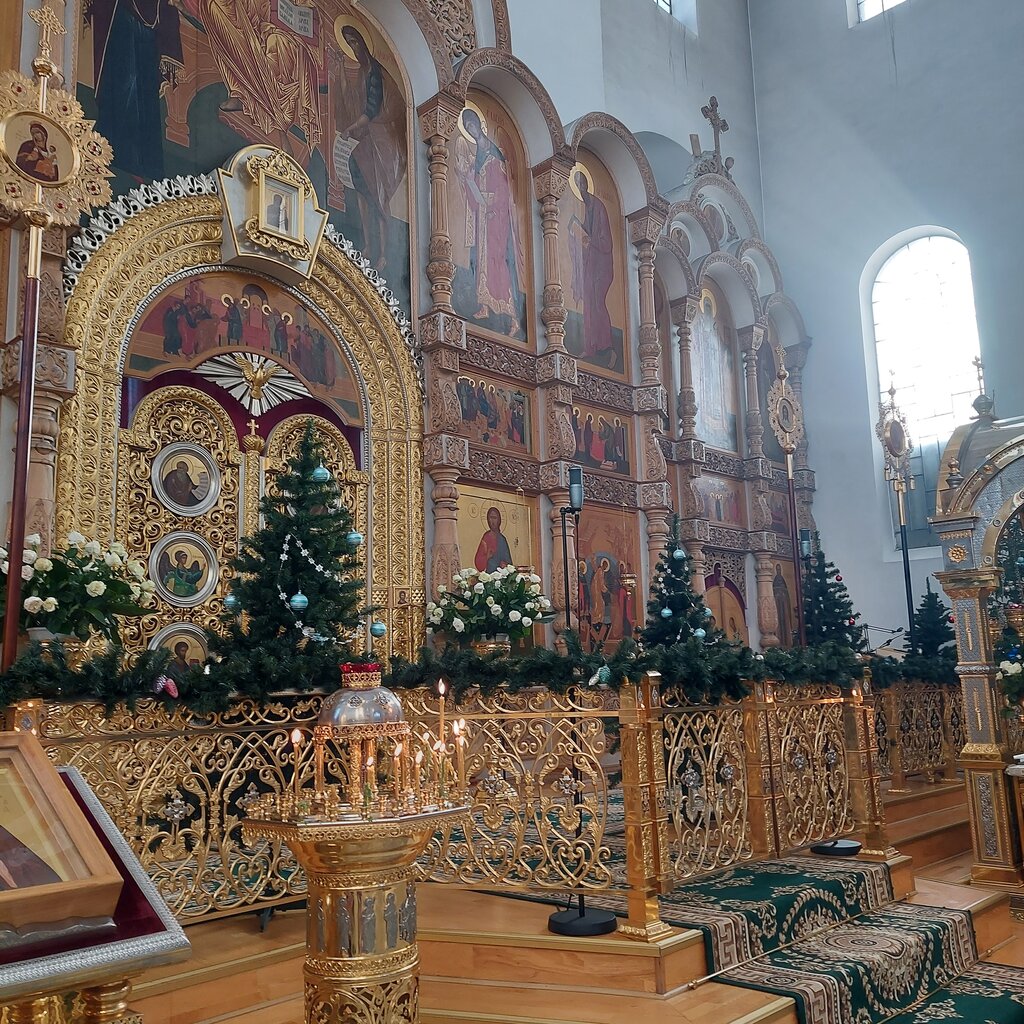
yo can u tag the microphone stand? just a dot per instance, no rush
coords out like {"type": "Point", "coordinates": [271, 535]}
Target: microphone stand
{"type": "Point", "coordinates": [579, 921]}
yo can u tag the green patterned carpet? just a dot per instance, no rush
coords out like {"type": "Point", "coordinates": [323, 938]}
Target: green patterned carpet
{"type": "Point", "coordinates": [983, 994]}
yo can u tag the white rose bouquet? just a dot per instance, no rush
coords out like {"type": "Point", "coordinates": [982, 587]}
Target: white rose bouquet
{"type": "Point", "coordinates": [81, 590]}
{"type": "Point", "coordinates": [480, 605]}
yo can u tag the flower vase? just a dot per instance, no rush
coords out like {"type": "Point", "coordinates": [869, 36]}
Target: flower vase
{"type": "Point", "coordinates": [491, 646]}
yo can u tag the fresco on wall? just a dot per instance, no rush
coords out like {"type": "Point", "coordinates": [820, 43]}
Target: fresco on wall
{"type": "Point", "coordinates": [607, 551]}
{"type": "Point", "coordinates": [177, 86]}
{"type": "Point", "coordinates": [496, 529]}
{"type": "Point", "coordinates": [724, 500]}
{"type": "Point", "coordinates": [728, 608]}
{"type": "Point", "coordinates": [214, 314]}
{"type": "Point", "coordinates": [489, 199]}
{"type": "Point", "coordinates": [592, 261]}
{"type": "Point", "coordinates": [603, 439]}
{"type": "Point", "coordinates": [766, 371]}
{"type": "Point", "coordinates": [778, 506]}
{"type": "Point", "coordinates": [715, 376]}
{"type": "Point", "coordinates": [496, 414]}
{"type": "Point", "coordinates": [784, 595]}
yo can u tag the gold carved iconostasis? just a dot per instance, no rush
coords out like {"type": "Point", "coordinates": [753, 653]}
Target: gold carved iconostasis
{"type": "Point", "coordinates": [207, 349]}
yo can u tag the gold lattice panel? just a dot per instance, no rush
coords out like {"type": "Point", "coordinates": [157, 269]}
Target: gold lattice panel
{"type": "Point", "coordinates": [177, 416]}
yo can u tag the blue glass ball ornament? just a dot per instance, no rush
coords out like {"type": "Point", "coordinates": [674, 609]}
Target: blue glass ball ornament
{"type": "Point", "coordinates": [679, 554]}
{"type": "Point", "coordinates": [320, 475]}
{"type": "Point", "coordinates": [298, 602]}
{"type": "Point", "coordinates": [708, 612]}
{"type": "Point", "coordinates": [699, 633]}
{"type": "Point", "coordinates": [666, 613]}
{"type": "Point", "coordinates": [1020, 561]}
{"type": "Point", "coordinates": [233, 603]}
{"type": "Point", "coordinates": [378, 629]}
{"type": "Point", "coordinates": [604, 674]}
{"type": "Point", "coordinates": [354, 539]}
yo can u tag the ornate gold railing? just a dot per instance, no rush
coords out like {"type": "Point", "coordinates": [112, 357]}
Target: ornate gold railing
{"type": "Point", "coordinates": [919, 731]}
{"type": "Point", "coordinates": [623, 792]}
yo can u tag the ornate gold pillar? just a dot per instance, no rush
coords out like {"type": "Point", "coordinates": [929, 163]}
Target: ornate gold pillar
{"type": "Point", "coordinates": [549, 183]}
{"type": "Point", "coordinates": [750, 341]}
{"type": "Point", "coordinates": [559, 500]}
{"type": "Point", "coordinates": [763, 771]}
{"type": "Point", "coordinates": [105, 1004]}
{"type": "Point", "coordinates": [30, 1011]}
{"type": "Point", "coordinates": [645, 805]}
{"type": "Point", "coordinates": [767, 614]}
{"type": "Point", "coordinates": [994, 828]}
{"type": "Point", "coordinates": [862, 768]}
{"type": "Point", "coordinates": [438, 121]}
{"type": "Point", "coordinates": [683, 313]}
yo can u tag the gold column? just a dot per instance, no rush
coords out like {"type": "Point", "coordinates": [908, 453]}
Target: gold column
{"type": "Point", "coordinates": [559, 500]}
{"type": "Point", "coordinates": [750, 341]}
{"type": "Point", "coordinates": [104, 1004]}
{"type": "Point", "coordinates": [862, 766]}
{"type": "Point", "coordinates": [549, 183]}
{"type": "Point", "coordinates": [445, 559]}
{"type": "Point", "coordinates": [994, 827]}
{"type": "Point", "coordinates": [767, 614]}
{"type": "Point", "coordinates": [893, 715]}
{"type": "Point", "coordinates": [763, 771]}
{"type": "Point", "coordinates": [645, 803]}
{"type": "Point", "coordinates": [30, 1011]}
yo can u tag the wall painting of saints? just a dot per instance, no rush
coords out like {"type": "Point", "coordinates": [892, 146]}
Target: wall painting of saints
{"type": "Point", "coordinates": [784, 595]}
{"type": "Point", "coordinates": [603, 439]}
{"type": "Point", "coordinates": [187, 644]}
{"type": "Point", "coordinates": [210, 315]}
{"type": "Point", "coordinates": [724, 596]}
{"type": "Point", "coordinates": [778, 506]}
{"type": "Point", "coordinates": [591, 255]}
{"type": "Point", "coordinates": [489, 198]}
{"type": "Point", "coordinates": [724, 500]}
{"type": "Point", "coordinates": [497, 415]}
{"type": "Point", "coordinates": [496, 530]}
{"type": "Point", "coordinates": [178, 86]}
{"type": "Point", "coordinates": [715, 376]}
{"type": "Point", "coordinates": [607, 554]}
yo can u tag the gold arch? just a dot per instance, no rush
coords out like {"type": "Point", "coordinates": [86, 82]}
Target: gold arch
{"type": "Point", "coordinates": [184, 234]}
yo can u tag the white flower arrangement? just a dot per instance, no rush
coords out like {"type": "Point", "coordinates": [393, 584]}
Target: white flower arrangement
{"type": "Point", "coordinates": [479, 605]}
{"type": "Point", "coordinates": [80, 590]}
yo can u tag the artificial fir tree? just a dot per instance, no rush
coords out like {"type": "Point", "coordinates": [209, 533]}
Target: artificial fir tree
{"type": "Point", "coordinates": [932, 630]}
{"type": "Point", "coordinates": [294, 599]}
{"type": "Point", "coordinates": [828, 611]}
{"type": "Point", "coordinates": [674, 612]}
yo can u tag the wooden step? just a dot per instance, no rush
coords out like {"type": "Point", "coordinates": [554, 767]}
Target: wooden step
{"type": "Point", "coordinates": [473, 936]}
{"type": "Point", "coordinates": [922, 798]}
{"type": "Point", "coordinates": [443, 1001]}
{"type": "Point", "coordinates": [934, 836]}
{"type": "Point", "coordinates": [990, 909]}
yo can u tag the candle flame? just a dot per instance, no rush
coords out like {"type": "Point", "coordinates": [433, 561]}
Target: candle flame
{"type": "Point", "coordinates": [426, 737]}
{"type": "Point", "coordinates": [439, 747]}
{"type": "Point", "coordinates": [419, 758]}
{"type": "Point", "coordinates": [462, 724]}
{"type": "Point", "coordinates": [441, 687]}
{"type": "Point", "coordinates": [369, 762]}
{"type": "Point", "coordinates": [455, 728]}
{"type": "Point", "coordinates": [398, 750]}
{"type": "Point", "coordinates": [296, 736]}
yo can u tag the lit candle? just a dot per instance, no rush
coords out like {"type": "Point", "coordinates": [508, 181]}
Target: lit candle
{"type": "Point", "coordinates": [396, 771]}
{"type": "Point", "coordinates": [319, 748]}
{"type": "Point", "coordinates": [442, 765]}
{"type": "Point", "coordinates": [296, 748]}
{"type": "Point", "coordinates": [458, 731]}
{"type": "Point", "coordinates": [441, 691]}
{"type": "Point", "coordinates": [416, 774]}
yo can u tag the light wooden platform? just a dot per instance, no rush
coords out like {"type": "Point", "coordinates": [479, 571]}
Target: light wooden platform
{"type": "Point", "coordinates": [929, 822]}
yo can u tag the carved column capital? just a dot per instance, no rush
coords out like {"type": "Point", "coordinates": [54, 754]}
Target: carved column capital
{"type": "Point", "coordinates": [439, 116]}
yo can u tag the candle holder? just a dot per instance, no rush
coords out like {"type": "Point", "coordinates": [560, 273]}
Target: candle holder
{"type": "Point", "coordinates": [357, 841]}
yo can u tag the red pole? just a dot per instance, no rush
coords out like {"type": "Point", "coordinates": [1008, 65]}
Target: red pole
{"type": "Point", "coordinates": [19, 493]}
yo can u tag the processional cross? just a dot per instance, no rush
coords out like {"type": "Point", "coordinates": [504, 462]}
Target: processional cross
{"type": "Point", "coordinates": [719, 125]}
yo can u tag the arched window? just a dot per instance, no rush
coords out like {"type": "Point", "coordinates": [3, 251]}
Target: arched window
{"type": "Point", "coordinates": [872, 8]}
{"type": "Point", "coordinates": [926, 344]}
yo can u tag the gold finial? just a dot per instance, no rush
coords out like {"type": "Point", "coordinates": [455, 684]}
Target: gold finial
{"type": "Point", "coordinates": [980, 370]}
{"type": "Point", "coordinates": [252, 442]}
{"type": "Point", "coordinates": [252, 426]}
{"type": "Point", "coordinates": [49, 24]}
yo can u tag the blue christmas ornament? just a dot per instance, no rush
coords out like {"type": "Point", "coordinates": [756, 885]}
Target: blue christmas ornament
{"type": "Point", "coordinates": [708, 612]}
{"type": "Point", "coordinates": [298, 602]}
{"type": "Point", "coordinates": [679, 554]}
{"type": "Point", "coordinates": [699, 633]}
{"type": "Point", "coordinates": [666, 613]}
{"type": "Point", "coordinates": [1013, 652]}
{"type": "Point", "coordinates": [1020, 560]}
{"type": "Point", "coordinates": [320, 475]}
{"type": "Point", "coordinates": [604, 674]}
{"type": "Point", "coordinates": [378, 629]}
{"type": "Point", "coordinates": [354, 539]}
{"type": "Point", "coordinates": [233, 603]}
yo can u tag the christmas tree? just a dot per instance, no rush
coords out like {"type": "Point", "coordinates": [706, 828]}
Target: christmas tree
{"type": "Point", "coordinates": [674, 612]}
{"type": "Point", "coordinates": [932, 630]}
{"type": "Point", "coordinates": [828, 610]}
{"type": "Point", "coordinates": [294, 599]}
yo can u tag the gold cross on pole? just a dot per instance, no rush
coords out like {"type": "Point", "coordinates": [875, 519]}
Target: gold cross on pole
{"type": "Point", "coordinates": [252, 426]}
{"type": "Point", "coordinates": [980, 369]}
{"type": "Point", "coordinates": [718, 124]}
{"type": "Point", "coordinates": [49, 24]}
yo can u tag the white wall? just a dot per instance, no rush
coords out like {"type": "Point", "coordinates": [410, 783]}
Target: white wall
{"type": "Point", "coordinates": [633, 60]}
{"type": "Point", "coordinates": [856, 145]}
